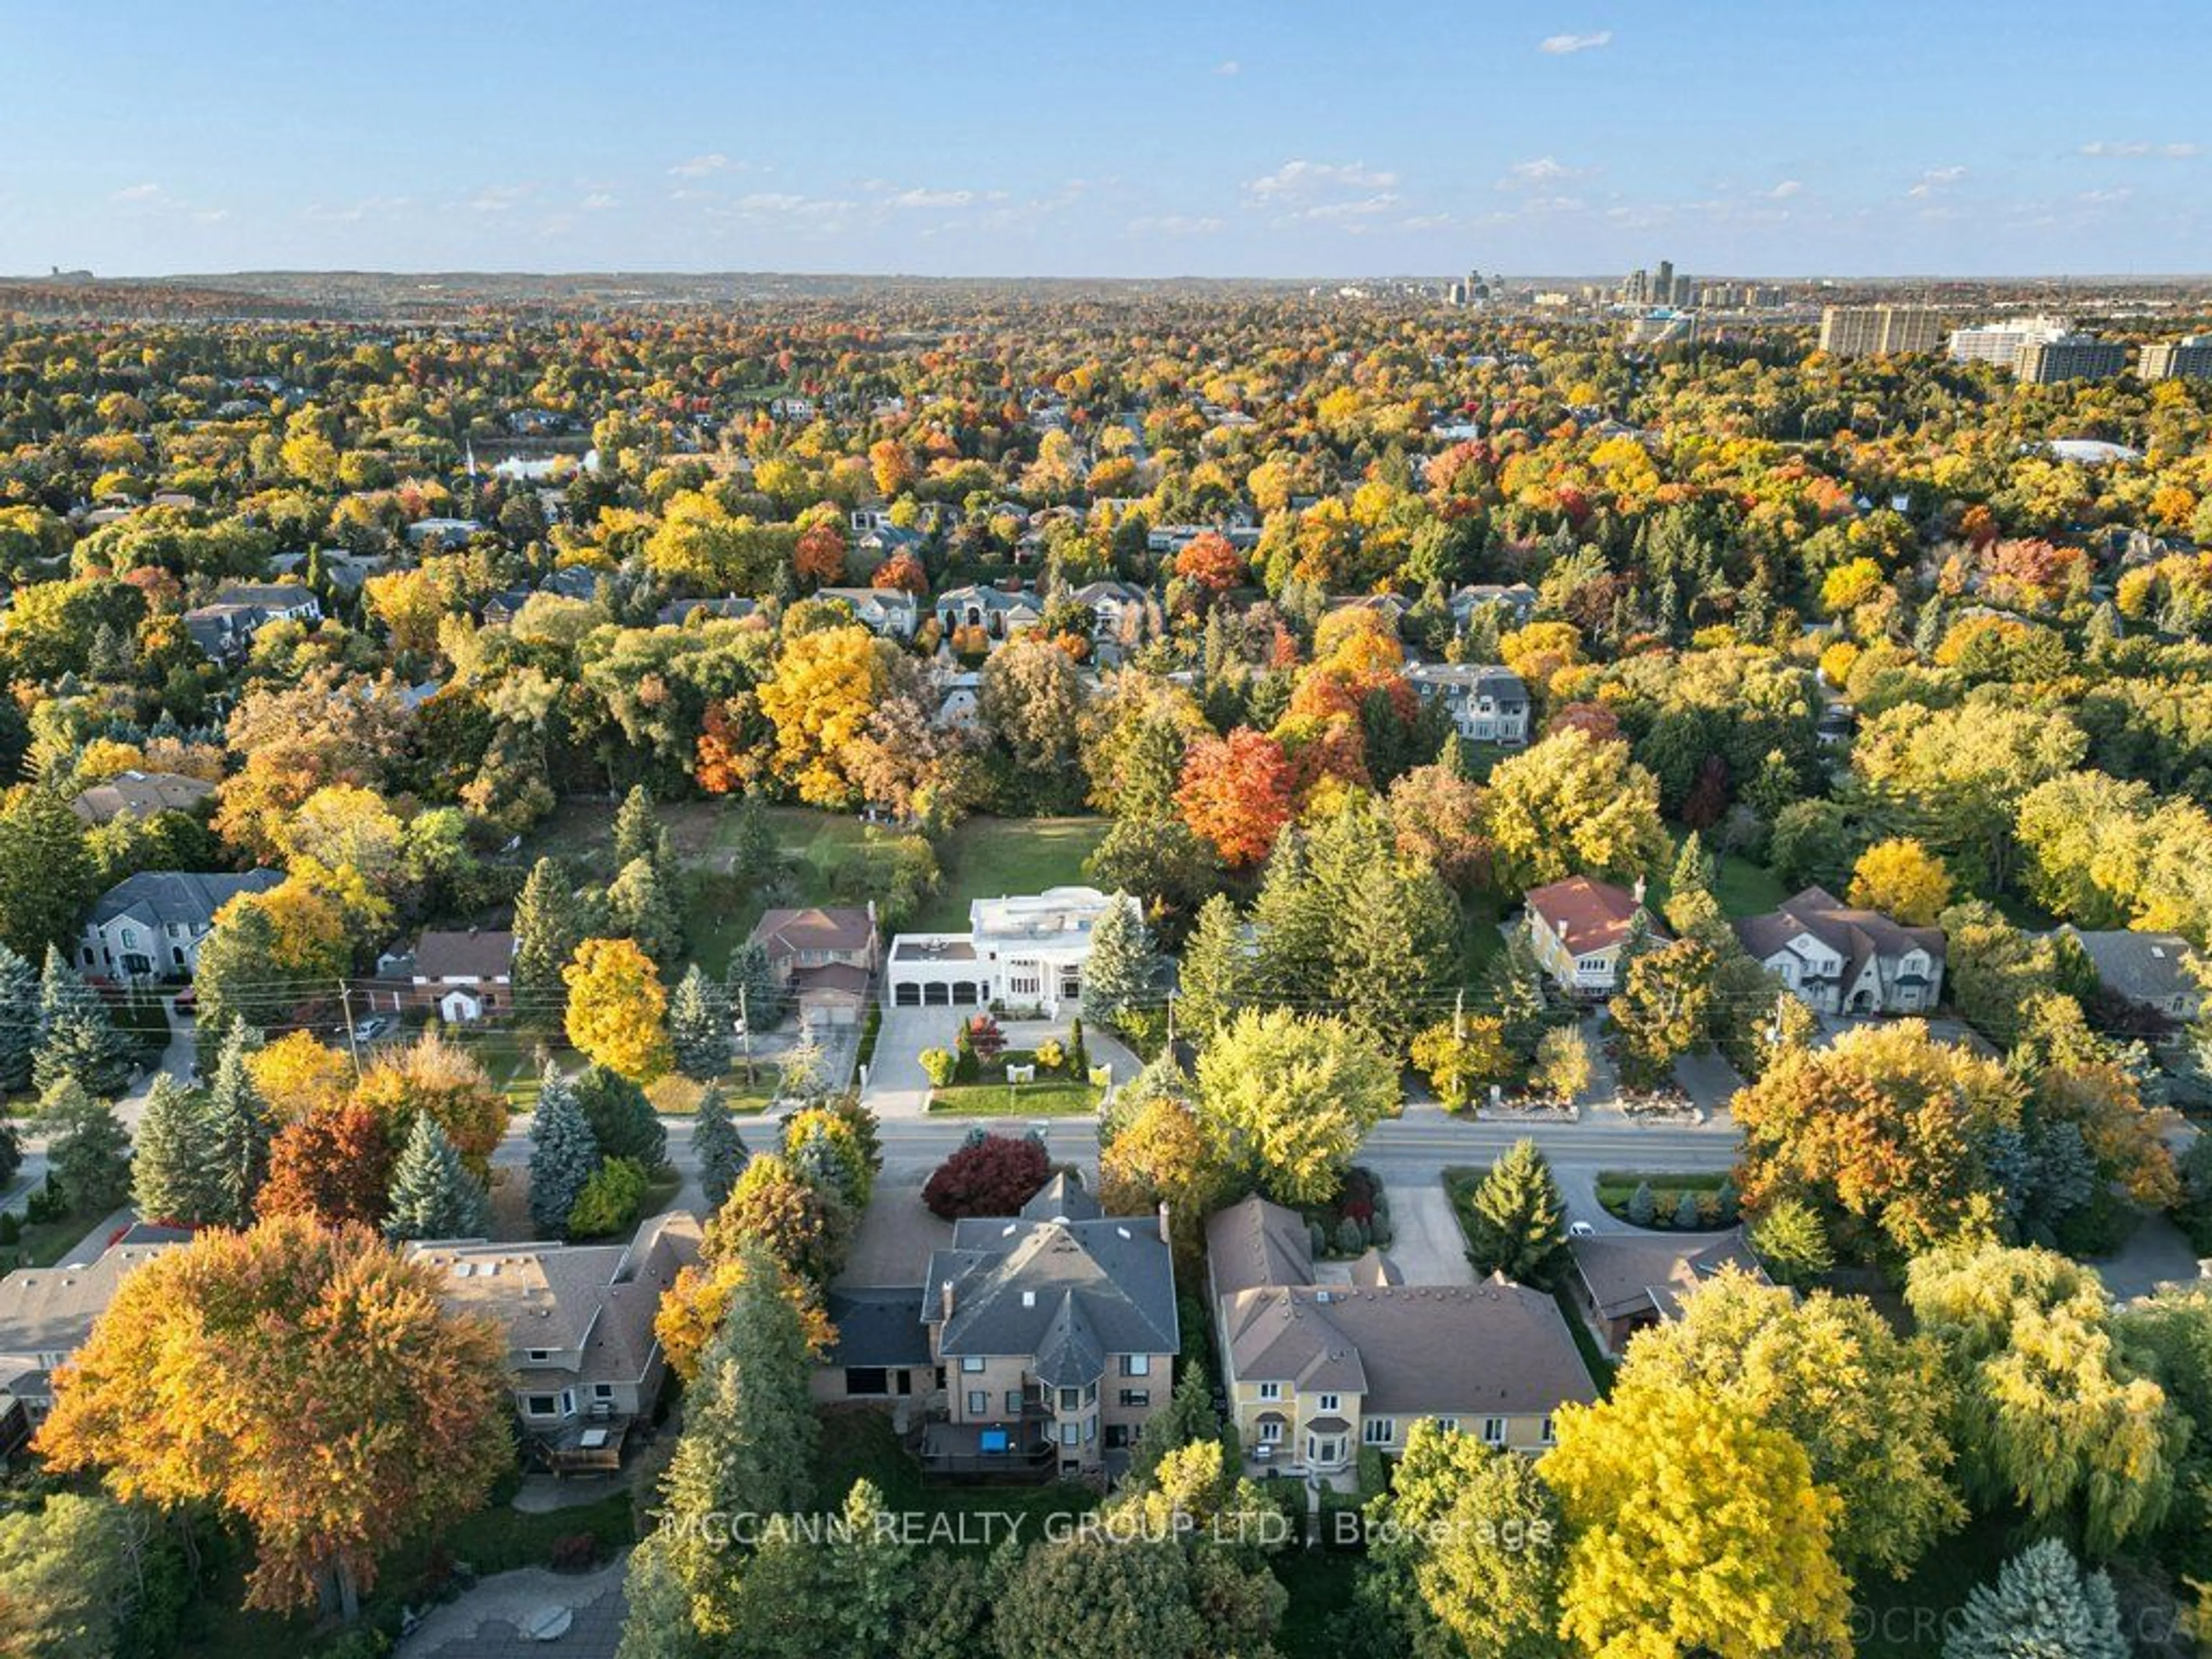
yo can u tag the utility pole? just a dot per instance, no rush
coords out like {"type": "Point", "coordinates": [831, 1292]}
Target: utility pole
{"type": "Point", "coordinates": [353, 1042]}
{"type": "Point", "coordinates": [1171, 1003]}
{"type": "Point", "coordinates": [746, 1032]}
{"type": "Point", "coordinates": [1459, 1016]}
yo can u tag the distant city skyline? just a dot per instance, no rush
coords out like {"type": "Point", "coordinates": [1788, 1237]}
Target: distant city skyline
{"type": "Point", "coordinates": [1572, 137]}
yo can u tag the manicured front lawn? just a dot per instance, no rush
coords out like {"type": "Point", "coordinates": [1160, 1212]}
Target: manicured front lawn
{"type": "Point", "coordinates": [1743, 888]}
{"type": "Point", "coordinates": [677, 1095]}
{"type": "Point", "coordinates": [1047, 1097]}
{"type": "Point", "coordinates": [1615, 1187]}
{"type": "Point", "coordinates": [987, 858]}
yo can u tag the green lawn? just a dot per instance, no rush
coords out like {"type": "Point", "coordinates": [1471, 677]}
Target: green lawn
{"type": "Point", "coordinates": [42, 1244]}
{"type": "Point", "coordinates": [1743, 888]}
{"type": "Point", "coordinates": [1048, 1096]}
{"type": "Point", "coordinates": [986, 858]}
{"type": "Point", "coordinates": [1616, 1186]}
{"type": "Point", "coordinates": [677, 1095]}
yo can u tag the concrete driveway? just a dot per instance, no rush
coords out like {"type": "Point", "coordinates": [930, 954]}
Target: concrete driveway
{"type": "Point", "coordinates": [896, 1084]}
{"type": "Point", "coordinates": [1425, 1241]}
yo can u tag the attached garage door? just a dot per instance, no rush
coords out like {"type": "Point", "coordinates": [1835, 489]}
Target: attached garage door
{"type": "Point", "coordinates": [906, 996]}
{"type": "Point", "coordinates": [937, 996]}
{"type": "Point", "coordinates": [963, 991]}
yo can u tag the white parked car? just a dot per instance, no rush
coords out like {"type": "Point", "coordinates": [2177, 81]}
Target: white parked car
{"type": "Point", "coordinates": [1580, 1230]}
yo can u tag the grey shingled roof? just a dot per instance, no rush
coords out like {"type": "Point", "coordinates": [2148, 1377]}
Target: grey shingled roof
{"type": "Point", "coordinates": [2149, 967]}
{"type": "Point", "coordinates": [158, 897]}
{"type": "Point", "coordinates": [878, 1327]}
{"type": "Point", "coordinates": [1624, 1272]}
{"type": "Point", "coordinates": [1253, 1242]}
{"type": "Point", "coordinates": [1851, 932]}
{"type": "Point", "coordinates": [1069, 1291]}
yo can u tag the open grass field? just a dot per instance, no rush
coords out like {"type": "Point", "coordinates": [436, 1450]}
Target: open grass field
{"type": "Point", "coordinates": [985, 858]}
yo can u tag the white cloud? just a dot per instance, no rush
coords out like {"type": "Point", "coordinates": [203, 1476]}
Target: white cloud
{"type": "Point", "coordinates": [599, 201]}
{"type": "Point", "coordinates": [1544, 170]}
{"type": "Point", "coordinates": [1228, 66]}
{"type": "Point", "coordinates": [1560, 46]}
{"type": "Point", "coordinates": [1296, 181]}
{"type": "Point", "coordinates": [1364, 207]}
{"type": "Point", "coordinates": [934, 199]}
{"type": "Point", "coordinates": [2108, 147]}
{"type": "Point", "coordinates": [1936, 180]}
{"type": "Point", "coordinates": [136, 193]}
{"type": "Point", "coordinates": [1786, 189]}
{"type": "Point", "coordinates": [701, 167]}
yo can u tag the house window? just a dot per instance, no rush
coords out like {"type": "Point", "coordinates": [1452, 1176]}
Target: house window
{"type": "Point", "coordinates": [1493, 1431]}
{"type": "Point", "coordinates": [1070, 1434]}
{"type": "Point", "coordinates": [1271, 1432]}
{"type": "Point", "coordinates": [971, 1361]}
{"type": "Point", "coordinates": [540, 1355]}
{"type": "Point", "coordinates": [542, 1404]}
{"type": "Point", "coordinates": [1136, 1396]}
{"type": "Point", "coordinates": [131, 939]}
{"type": "Point", "coordinates": [1136, 1365]}
{"type": "Point", "coordinates": [1117, 1436]}
{"type": "Point", "coordinates": [1071, 1399]}
{"type": "Point", "coordinates": [1448, 1425]}
{"type": "Point", "coordinates": [979, 1401]}
{"type": "Point", "coordinates": [1378, 1431]}
{"type": "Point", "coordinates": [1328, 1402]}
{"type": "Point", "coordinates": [603, 1390]}
{"type": "Point", "coordinates": [1013, 1402]}
{"type": "Point", "coordinates": [1024, 985]}
{"type": "Point", "coordinates": [1271, 1391]}
{"type": "Point", "coordinates": [1544, 1432]}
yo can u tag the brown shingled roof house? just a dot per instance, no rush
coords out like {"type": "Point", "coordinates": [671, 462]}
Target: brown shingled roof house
{"type": "Point", "coordinates": [1626, 1281]}
{"type": "Point", "coordinates": [1316, 1371]}
{"type": "Point", "coordinates": [824, 957]}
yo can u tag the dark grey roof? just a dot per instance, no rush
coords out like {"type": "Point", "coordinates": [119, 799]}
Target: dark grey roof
{"type": "Point", "coordinates": [158, 897]}
{"type": "Point", "coordinates": [878, 1327]}
{"type": "Point", "coordinates": [2152, 968]}
{"type": "Point", "coordinates": [1071, 1290]}
{"type": "Point", "coordinates": [1062, 1198]}
{"type": "Point", "coordinates": [1852, 933]}
{"type": "Point", "coordinates": [1628, 1272]}
{"type": "Point", "coordinates": [1071, 1353]}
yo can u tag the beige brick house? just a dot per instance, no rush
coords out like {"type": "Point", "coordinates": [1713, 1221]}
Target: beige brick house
{"type": "Point", "coordinates": [1315, 1372]}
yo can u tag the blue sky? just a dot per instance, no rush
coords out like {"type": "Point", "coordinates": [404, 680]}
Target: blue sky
{"type": "Point", "coordinates": [1561, 137]}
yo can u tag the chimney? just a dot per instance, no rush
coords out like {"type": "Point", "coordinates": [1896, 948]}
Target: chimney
{"type": "Point", "coordinates": [1164, 1239]}
{"type": "Point", "coordinates": [1638, 889]}
{"type": "Point", "coordinates": [945, 1295]}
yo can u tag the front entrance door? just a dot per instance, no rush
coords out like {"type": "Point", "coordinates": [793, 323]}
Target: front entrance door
{"type": "Point", "coordinates": [1324, 1451]}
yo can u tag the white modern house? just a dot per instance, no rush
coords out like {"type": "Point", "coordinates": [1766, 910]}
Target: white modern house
{"type": "Point", "coordinates": [1025, 953]}
{"type": "Point", "coordinates": [1487, 703]}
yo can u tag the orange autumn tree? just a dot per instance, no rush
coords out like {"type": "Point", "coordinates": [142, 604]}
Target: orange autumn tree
{"type": "Point", "coordinates": [436, 1076]}
{"type": "Point", "coordinates": [1236, 794]}
{"type": "Point", "coordinates": [333, 1164]}
{"type": "Point", "coordinates": [308, 1381]}
{"type": "Point", "coordinates": [820, 555]}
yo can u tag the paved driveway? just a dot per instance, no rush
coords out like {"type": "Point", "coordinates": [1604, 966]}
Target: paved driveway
{"type": "Point", "coordinates": [897, 1085]}
{"type": "Point", "coordinates": [1425, 1241]}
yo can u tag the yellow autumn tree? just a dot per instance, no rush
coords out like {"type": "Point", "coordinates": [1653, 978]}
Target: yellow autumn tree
{"type": "Point", "coordinates": [825, 686]}
{"type": "Point", "coordinates": [298, 1074]}
{"type": "Point", "coordinates": [1696, 1531]}
{"type": "Point", "coordinates": [617, 1011]}
{"type": "Point", "coordinates": [1903, 880]}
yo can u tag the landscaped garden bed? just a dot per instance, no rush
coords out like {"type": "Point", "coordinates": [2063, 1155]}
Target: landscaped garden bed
{"type": "Point", "coordinates": [1685, 1202]}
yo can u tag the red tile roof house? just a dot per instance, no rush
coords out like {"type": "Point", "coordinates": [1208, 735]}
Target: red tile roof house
{"type": "Point", "coordinates": [825, 957]}
{"type": "Point", "coordinates": [464, 975]}
{"type": "Point", "coordinates": [1577, 927]}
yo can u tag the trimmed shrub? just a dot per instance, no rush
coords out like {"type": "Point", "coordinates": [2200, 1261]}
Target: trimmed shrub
{"type": "Point", "coordinates": [995, 1175]}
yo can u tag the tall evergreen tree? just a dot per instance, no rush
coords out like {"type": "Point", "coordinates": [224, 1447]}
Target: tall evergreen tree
{"type": "Point", "coordinates": [173, 1177]}
{"type": "Point", "coordinates": [2043, 1606]}
{"type": "Point", "coordinates": [1393, 949]}
{"type": "Point", "coordinates": [753, 852]}
{"type": "Point", "coordinates": [433, 1193]}
{"type": "Point", "coordinates": [638, 835]}
{"type": "Point", "coordinates": [1118, 974]}
{"type": "Point", "coordinates": [1217, 970]}
{"type": "Point", "coordinates": [549, 925]}
{"type": "Point", "coordinates": [751, 988]}
{"type": "Point", "coordinates": [1520, 1218]}
{"type": "Point", "coordinates": [720, 1149]}
{"type": "Point", "coordinates": [19, 1019]}
{"type": "Point", "coordinates": [76, 1037]}
{"type": "Point", "coordinates": [236, 978]}
{"type": "Point", "coordinates": [88, 1149]}
{"type": "Point", "coordinates": [238, 1129]}
{"type": "Point", "coordinates": [642, 909]}
{"type": "Point", "coordinates": [46, 869]}
{"type": "Point", "coordinates": [624, 1123]}
{"type": "Point", "coordinates": [1295, 930]}
{"type": "Point", "coordinates": [699, 1026]}
{"type": "Point", "coordinates": [748, 1444]}
{"type": "Point", "coordinates": [562, 1153]}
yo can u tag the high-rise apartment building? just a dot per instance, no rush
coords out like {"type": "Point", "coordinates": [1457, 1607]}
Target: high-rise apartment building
{"type": "Point", "coordinates": [1877, 331]}
{"type": "Point", "coordinates": [2001, 343]}
{"type": "Point", "coordinates": [2070, 357]}
{"type": "Point", "coordinates": [2186, 359]}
